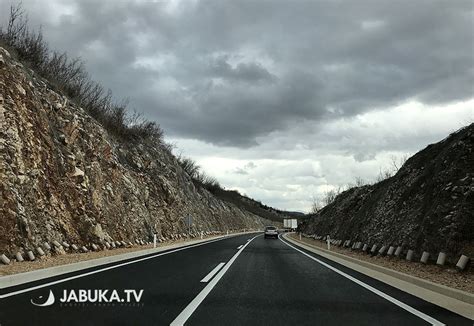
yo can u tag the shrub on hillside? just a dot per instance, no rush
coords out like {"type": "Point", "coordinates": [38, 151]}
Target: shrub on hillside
{"type": "Point", "coordinates": [70, 77]}
{"type": "Point", "coordinates": [199, 177]}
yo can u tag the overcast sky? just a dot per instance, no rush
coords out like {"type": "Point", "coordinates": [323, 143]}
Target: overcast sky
{"type": "Point", "coordinates": [281, 100]}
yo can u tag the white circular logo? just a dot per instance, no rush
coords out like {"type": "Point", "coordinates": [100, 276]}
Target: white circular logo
{"type": "Point", "coordinates": [48, 302]}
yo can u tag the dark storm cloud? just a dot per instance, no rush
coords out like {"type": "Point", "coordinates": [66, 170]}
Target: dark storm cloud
{"type": "Point", "coordinates": [250, 72]}
{"type": "Point", "coordinates": [227, 72]}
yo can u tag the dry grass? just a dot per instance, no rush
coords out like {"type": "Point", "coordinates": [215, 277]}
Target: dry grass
{"type": "Point", "coordinates": [70, 77]}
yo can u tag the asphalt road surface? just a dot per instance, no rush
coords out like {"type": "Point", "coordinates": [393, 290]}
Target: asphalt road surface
{"type": "Point", "coordinates": [240, 280]}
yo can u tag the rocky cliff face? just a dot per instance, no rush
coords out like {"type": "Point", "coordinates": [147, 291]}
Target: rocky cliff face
{"type": "Point", "coordinates": [64, 178]}
{"type": "Point", "coordinates": [428, 205]}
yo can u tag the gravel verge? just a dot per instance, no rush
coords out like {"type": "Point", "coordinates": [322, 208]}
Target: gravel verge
{"type": "Point", "coordinates": [444, 275]}
{"type": "Point", "coordinates": [69, 258]}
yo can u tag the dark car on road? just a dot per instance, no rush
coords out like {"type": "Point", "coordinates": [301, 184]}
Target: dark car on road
{"type": "Point", "coordinates": [271, 232]}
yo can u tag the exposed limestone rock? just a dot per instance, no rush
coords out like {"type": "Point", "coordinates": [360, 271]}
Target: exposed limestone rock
{"type": "Point", "coordinates": [64, 177]}
{"type": "Point", "coordinates": [427, 206]}
{"type": "Point", "coordinates": [78, 172]}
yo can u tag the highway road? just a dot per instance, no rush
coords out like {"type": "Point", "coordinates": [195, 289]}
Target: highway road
{"type": "Point", "coordinates": [239, 280]}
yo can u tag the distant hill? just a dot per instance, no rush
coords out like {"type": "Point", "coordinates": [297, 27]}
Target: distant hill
{"type": "Point", "coordinates": [295, 214]}
{"type": "Point", "coordinates": [254, 206]}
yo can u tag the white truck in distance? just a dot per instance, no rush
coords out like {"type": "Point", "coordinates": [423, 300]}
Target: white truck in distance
{"type": "Point", "coordinates": [290, 224]}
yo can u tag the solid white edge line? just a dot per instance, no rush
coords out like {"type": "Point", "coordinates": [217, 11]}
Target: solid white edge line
{"type": "Point", "coordinates": [193, 305]}
{"type": "Point", "coordinates": [240, 246]}
{"type": "Point", "coordinates": [6, 295]}
{"type": "Point", "coordinates": [402, 305]}
{"type": "Point", "coordinates": [212, 273]}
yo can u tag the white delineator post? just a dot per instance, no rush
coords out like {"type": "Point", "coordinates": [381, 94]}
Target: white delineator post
{"type": "Point", "coordinates": [154, 240]}
{"type": "Point", "coordinates": [328, 240]}
{"type": "Point", "coordinates": [300, 235]}
{"type": "Point", "coordinates": [441, 259]}
{"type": "Point", "coordinates": [462, 262]}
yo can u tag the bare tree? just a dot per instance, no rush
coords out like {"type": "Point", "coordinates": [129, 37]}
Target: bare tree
{"type": "Point", "coordinates": [359, 182]}
{"type": "Point", "coordinates": [17, 23]}
{"type": "Point", "coordinates": [330, 195]}
{"type": "Point", "coordinates": [403, 159]}
{"type": "Point", "coordinates": [397, 162]}
{"type": "Point", "coordinates": [394, 163]}
{"type": "Point", "coordinates": [316, 205]}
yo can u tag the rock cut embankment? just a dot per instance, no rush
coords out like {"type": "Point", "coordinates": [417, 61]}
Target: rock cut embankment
{"type": "Point", "coordinates": [428, 205]}
{"type": "Point", "coordinates": [64, 178]}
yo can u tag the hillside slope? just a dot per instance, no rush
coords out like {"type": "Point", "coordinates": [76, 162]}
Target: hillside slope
{"type": "Point", "coordinates": [64, 178]}
{"type": "Point", "coordinates": [252, 205]}
{"type": "Point", "coordinates": [428, 205]}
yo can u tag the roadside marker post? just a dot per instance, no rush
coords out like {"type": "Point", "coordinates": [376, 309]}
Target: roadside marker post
{"type": "Point", "coordinates": [328, 240]}
{"type": "Point", "coordinates": [188, 221]}
{"type": "Point", "coordinates": [154, 240]}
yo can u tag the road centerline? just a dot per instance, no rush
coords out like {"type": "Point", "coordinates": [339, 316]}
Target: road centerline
{"type": "Point", "coordinates": [387, 297]}
{"type": "Point", "coordinates": [194, 304]}
{"type": "Point", "coordinates": [212, 273]}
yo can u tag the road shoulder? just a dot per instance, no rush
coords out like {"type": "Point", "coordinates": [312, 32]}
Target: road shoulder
{"type": "Point", "coordinates": [428, 291]}
{"type": "Point", "coordinates": [35, 275]}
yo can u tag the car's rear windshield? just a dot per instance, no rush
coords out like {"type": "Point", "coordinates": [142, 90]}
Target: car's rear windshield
{"type": "Point", "coordinates": [271, 228]}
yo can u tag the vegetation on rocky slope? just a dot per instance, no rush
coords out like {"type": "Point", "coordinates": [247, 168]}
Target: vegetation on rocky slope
{"type": "Point", "coordinates": [75, 167]}
{"type": "Point", "coordinates": [69, 76]}
{"type": "Point", "coordinates": [427, 205]}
